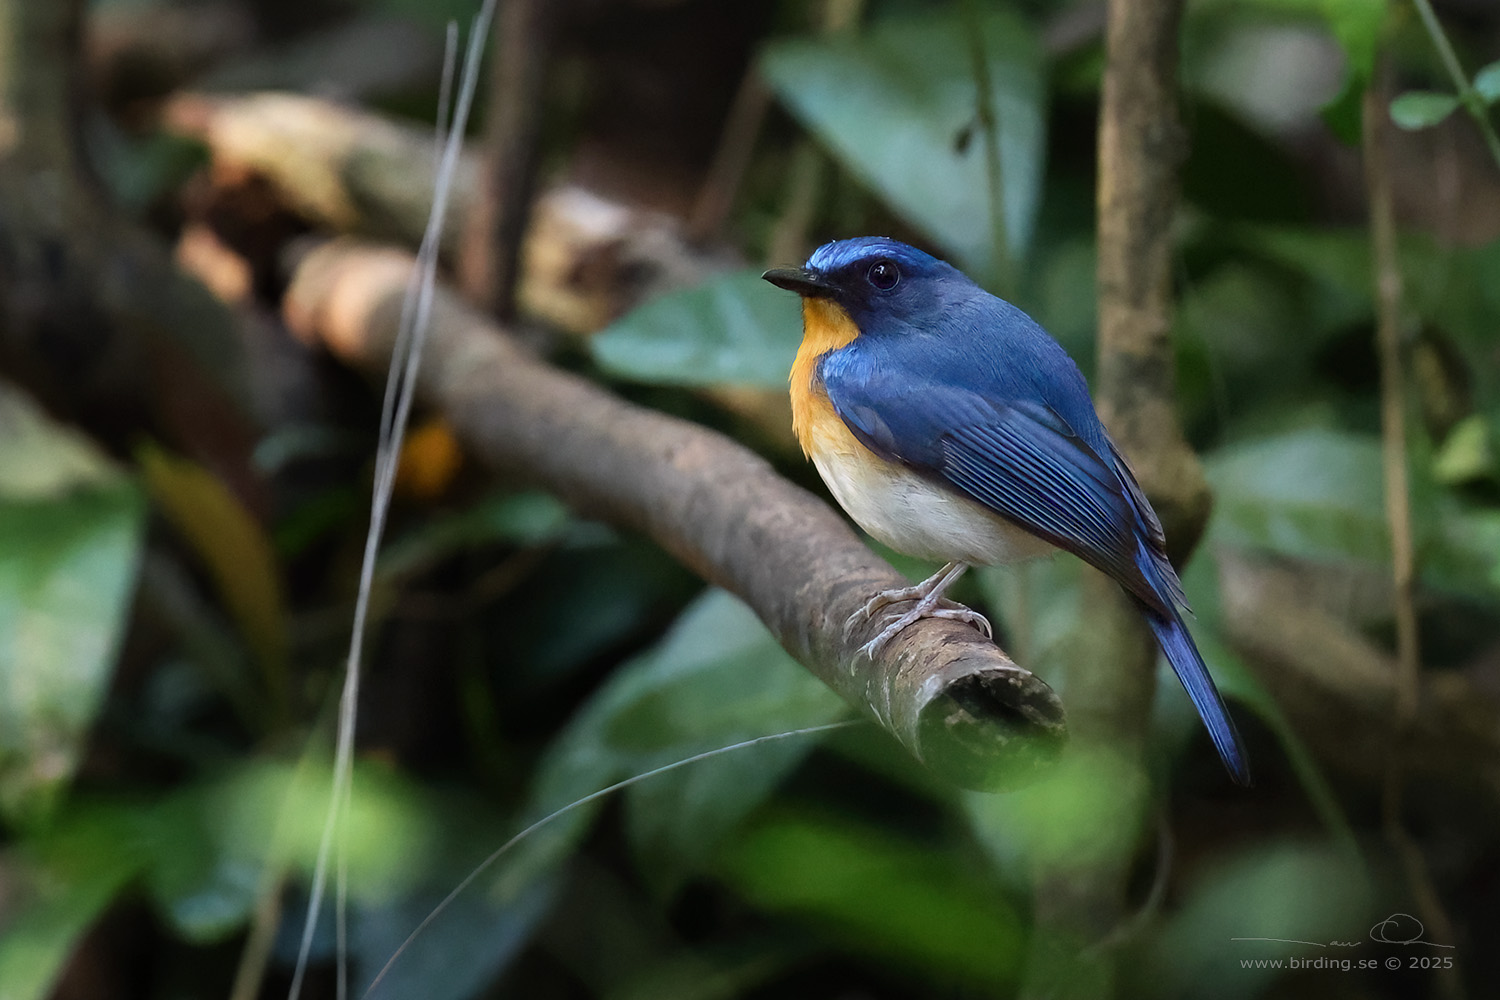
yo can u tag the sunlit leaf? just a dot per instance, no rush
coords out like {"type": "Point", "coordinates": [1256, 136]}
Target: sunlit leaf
{"type": "Point", "coordinates": [890, 103]}
{"type": "Point", "coordinates": [907, 904]}
{"type": "Point", "coordinates": [732, 330]}
{"type": "Point", "coordinates": [41, 459]}
{"type": "Point", "coordinates": [1467, 454]}
{"type": "Point", "coordinates": [1487, 82]}
{"type": "Point", "coordinates": [70, 537]}
{"type": "Point", "coordinates": [233, 547]}
{"type": "Point", "coordinates": [1419, 109]}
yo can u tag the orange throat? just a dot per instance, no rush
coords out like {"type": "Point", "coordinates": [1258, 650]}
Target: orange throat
{"type": "Point", "coordinates": [825, 327]}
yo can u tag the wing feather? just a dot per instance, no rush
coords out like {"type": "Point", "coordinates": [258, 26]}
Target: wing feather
{"type": "Point", "coordinates": [1021, 460]}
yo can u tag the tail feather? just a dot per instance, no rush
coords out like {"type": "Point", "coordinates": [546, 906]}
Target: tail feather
{"type": "Point", "coordinates": [1182, 653]}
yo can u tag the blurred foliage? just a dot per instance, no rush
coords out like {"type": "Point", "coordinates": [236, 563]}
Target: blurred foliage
{"type": "Point", "coordinates": [897, 106]}
{"type": "Point", "coordinates": [70, 531]}
{"type": "Point", "coordinates": [171, 638]}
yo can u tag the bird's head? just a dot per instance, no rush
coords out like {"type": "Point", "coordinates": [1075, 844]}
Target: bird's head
{"type": "Point", "coordinates": [874, 278]}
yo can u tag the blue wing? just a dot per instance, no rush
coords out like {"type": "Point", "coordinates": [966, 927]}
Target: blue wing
{"type": "Point", "coordinates": [1020, 459]}
{"type": "Point", "coordinates": [1037, 455]}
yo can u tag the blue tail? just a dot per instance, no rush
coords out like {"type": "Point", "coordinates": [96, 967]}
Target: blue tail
{"type": "Point", "coordinates": [1177, 643]}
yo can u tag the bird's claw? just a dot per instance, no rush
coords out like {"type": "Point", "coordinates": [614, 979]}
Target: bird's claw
{"type": "Point", "coordinates": [926, 608]}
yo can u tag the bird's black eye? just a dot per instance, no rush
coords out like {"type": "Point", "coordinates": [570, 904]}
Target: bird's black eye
{"type": "Point", "coordinates": [883, 275]}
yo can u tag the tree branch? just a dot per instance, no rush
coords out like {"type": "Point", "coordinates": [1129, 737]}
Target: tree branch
{"type": "Point", "coordinates": [951, 698]}
{"type": "Point", "coordinates": [95, 319]}
{"type": "Point", "coordinates": [524, 35]}
{"type": "Point", "coordinates": [585, 259]}
{"type": "Point", "coordinates": [1111, 679]}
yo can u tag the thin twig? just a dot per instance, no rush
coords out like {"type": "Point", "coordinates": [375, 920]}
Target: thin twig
{"type": "Point", "coordinates": [1079, 902]}
{"type": "Point", "coordinates": [490, 265]}
{"type": "Point", "coordinates": [1388, 295]}
{"type": "Point", "coordinates": [809, 163]}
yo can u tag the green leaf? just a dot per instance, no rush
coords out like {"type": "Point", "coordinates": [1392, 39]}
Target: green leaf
{"type": "Point", "coordinates": [1468, 453]}
{"type": "Point", "coordinates": [733, 330]}
{"type": "Point", "coordinates": [56, 888]}
{"type": "Point", "coordinates": [1487, 82]}
{"type": "Point", "coordinates": [1418, 109]}
{"type": "Point", "coordinates": [1308, 494]}
{"type": "Point", "coordinates": [41, 459]}
{"type": "Point", "coordinates": [890, 103]}
{"type": "Point", "coordinates": [716, 679]}
{"type": "Point", "coordinates": [908, 904]}
{"type": "Point", "coordinates": [70, 531]}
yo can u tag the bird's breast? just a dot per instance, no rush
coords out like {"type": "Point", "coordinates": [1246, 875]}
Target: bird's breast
{"type": "Point", "coordinates": [911, 513]}
{"type": "Point", "coordinates": [825, 327]}
{"type": "Point", "coordinates": [900, 508]}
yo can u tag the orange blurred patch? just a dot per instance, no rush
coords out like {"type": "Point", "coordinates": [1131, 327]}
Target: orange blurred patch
{"type": "Point", "coordinates": [430, 460]}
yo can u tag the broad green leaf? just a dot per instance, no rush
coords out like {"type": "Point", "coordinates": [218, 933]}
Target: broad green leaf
{"type": "Point", "coordinates": [1418, 109]}
{"type": "Point", "coordinates": [595, 591]}
{"type": "Point", "coordinates": [214, 847]}
{"type": "Point", "coordinates": [56, 888]}
{"type": "Point", "coordinates": [457, 957]}
{"type": "Point", "coordinates": [1461, 551]}
{"type": "Point", "coordinates": [70, 539]}
{"type": "Point", "coordinates": [733, 330]}
{"type": "Point", "coordinates": [1487, 82]}
{"type": "Point", "coordinates": [1468, 453]}
{"type": "Point", "coordinates": [232, 546]}
{"type": "Point", "coordinates": [1457, 290]}
{"type": "Point", "coordinates": [41, 459]}
{"type": "Point", "coordinates": [1319, 495]}
{"type": "Point", "coordinates": [1308, 494]}
{"type": "Point", "coordinates": [895, 104]}
{"type": "Point", "coordinates": [717, 678]}
{"type": "Point", "coordinates": [208, 853]}
{"type": "Point", "coordinates": [908, 904]}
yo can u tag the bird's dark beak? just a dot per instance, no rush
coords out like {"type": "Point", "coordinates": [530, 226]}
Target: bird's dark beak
{"type": "Point", "coordinates": [806, 283]}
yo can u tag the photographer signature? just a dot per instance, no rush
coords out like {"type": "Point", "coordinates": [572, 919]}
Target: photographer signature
{"type": "Point", "coordinates": [1398, 928]}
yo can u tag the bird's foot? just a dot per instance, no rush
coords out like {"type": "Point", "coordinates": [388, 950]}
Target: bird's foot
{"type": "Point", "coordinates": [930, 604]}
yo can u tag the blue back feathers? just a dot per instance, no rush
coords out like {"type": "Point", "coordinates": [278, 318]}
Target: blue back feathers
{"type": "Point", "coordinates": [968, 391]}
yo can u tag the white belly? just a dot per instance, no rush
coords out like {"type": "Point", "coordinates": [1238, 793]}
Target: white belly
{"type": "Point", "coordinates": [913, 516]}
